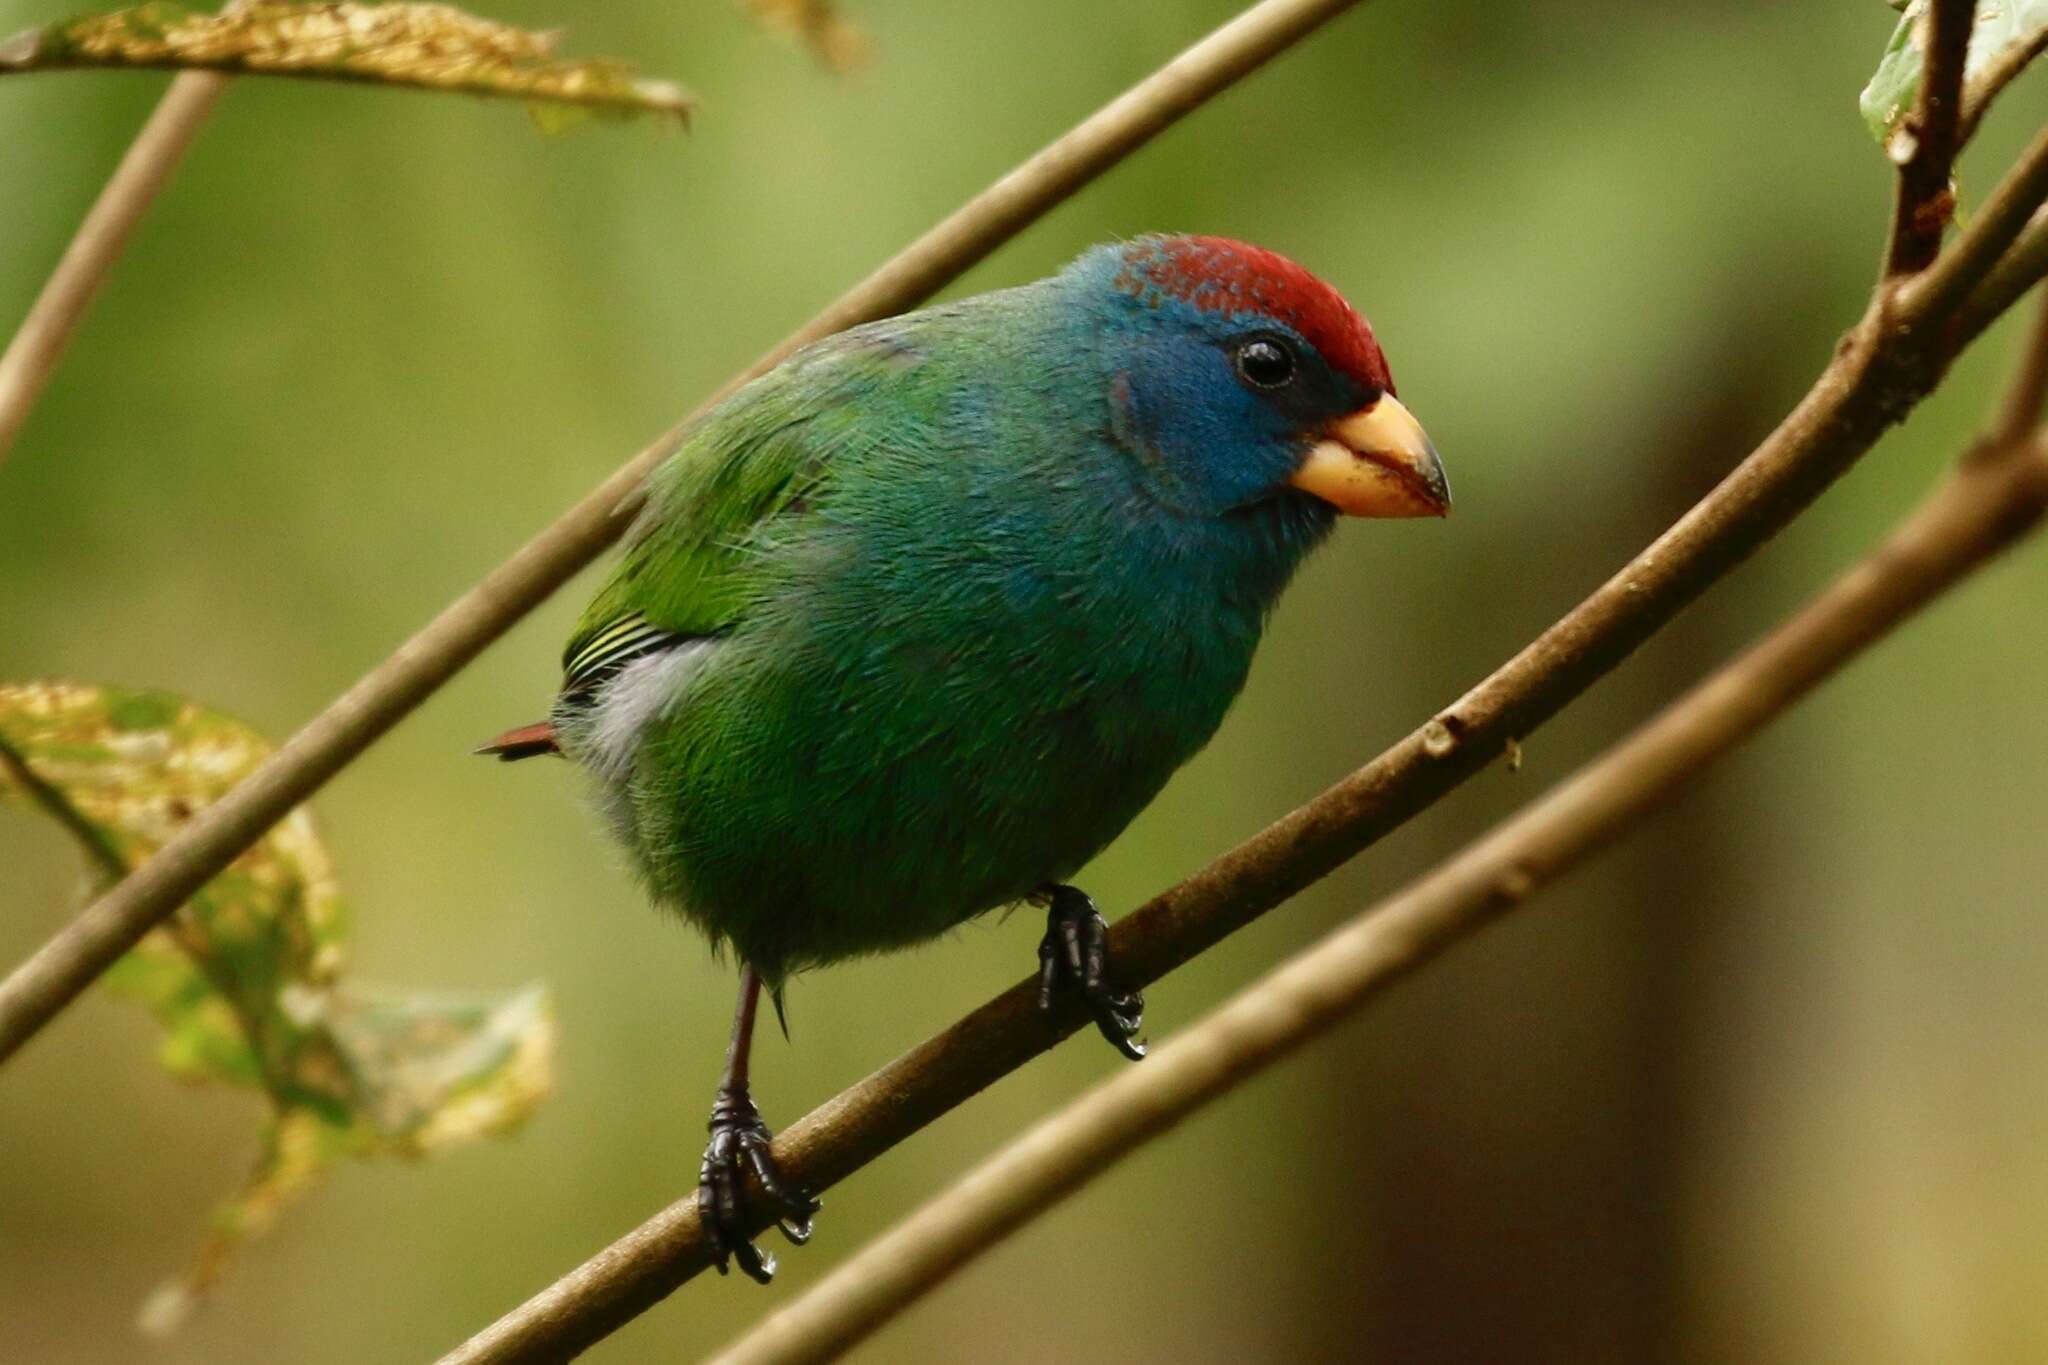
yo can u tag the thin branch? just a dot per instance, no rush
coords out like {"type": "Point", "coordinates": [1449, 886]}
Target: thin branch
{"type": "Point", "coordinates": [2024, 266]}
{"type": "Point", "coordinates": [42, 986]}
{"type": "Point", "coordinates": [33, 353]}
{"type": "Point", "coordinates": [1992, 501]}
{"type": "Point", "coordinates": [1930, 134]}
{"type": "Point", "coordinates": [2028, 392]}
{"type": "Point", "coordinates": [1878, 373]}
{"type": "Point", "coordinates": [1996, 75]}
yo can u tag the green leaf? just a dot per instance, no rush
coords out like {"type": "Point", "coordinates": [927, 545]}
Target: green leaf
{"type": "Point", "coordinates": [245, 978]}
{"type": "Point", "coordinates": [2002, 27]}
{"type": "Point", "coordinates": [428, 47]}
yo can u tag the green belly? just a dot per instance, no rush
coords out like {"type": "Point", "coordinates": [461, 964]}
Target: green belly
{"type": "Point", "coordinates": [809, 803]}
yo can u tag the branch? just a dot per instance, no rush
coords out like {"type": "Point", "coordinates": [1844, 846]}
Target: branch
{"type": "Point", "coordinates": [1882, 368]}
{"type": "Point", "coordinates": [2023, 265]}
{"type": "Point", "coordinates": [2028, 393]}
{"type": "Point", "coordinates": [1997, 496]}
{"type": "Point", "coordinates": [1930, 137]}
{"type": "Point", "coordinates": [1996, 75]}
{"type": "Point", "coordinates": [2005, 218]}
{"type": "Point", "coordinates": [33, 354]}
{"type": "Point", "coordinates": [42, 986]}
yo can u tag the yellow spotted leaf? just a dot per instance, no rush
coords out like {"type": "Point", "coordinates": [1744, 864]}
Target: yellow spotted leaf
{"type": "Point", "coordinates": [428, 47]}
{"type": "Point", "coordinates": [246, 978]}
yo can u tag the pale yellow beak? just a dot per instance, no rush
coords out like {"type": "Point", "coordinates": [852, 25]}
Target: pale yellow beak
{"type": "Point", "coordinates": [1376, 462]}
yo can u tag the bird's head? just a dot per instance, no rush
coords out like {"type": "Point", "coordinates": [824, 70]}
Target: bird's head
{"type": "Point", "coordinates": [1239, 377]}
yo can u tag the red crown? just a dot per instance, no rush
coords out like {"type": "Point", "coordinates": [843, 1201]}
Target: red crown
{"type": "Point", "coordinates": [1217, 274]}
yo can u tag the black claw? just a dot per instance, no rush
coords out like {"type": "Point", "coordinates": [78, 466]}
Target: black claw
{"type": "Point", "coordinates": [1075, 954]}
{"type": "Point", "coordinates": [739, 1144]}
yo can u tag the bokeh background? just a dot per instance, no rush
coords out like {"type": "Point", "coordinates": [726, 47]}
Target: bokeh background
{"type": "Point", "coordinates": [1767, 1083]}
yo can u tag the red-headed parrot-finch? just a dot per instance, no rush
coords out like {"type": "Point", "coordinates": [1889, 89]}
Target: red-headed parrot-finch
{"type": "Point", "coordinates": [913, 625]}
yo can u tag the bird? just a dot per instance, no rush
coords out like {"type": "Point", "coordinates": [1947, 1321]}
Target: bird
{"type": "Point", "coordinates": [910, 627]}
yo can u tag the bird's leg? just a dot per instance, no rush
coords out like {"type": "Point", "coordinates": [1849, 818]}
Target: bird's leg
{"type": "Point", "coordinates": [1075, 954]}
{"type": "Point", "coordinates": [739, 1144]}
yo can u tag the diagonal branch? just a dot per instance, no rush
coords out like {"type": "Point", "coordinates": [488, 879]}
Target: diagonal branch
{"type": "Point", "coordinates": [42, 986]}
{"type": "Point", "coordinates": [1930, 136]}
{"type": "Point", "coordinates": [2002, 285]}
{"type": "Point", "coordinates": [1882, 368]}
{"type": "Point", "coordinates": [1998, 496]}
{"type": "Point", "coordinates": [40, 341]}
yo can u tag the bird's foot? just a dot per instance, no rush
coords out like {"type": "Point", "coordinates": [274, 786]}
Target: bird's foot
{"type": "Point", "coordinates": [1075, 954]}
{"type": "Point", "coordinates": [739, 1144]}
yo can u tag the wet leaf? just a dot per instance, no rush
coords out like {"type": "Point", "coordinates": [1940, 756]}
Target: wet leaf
{"type": "Point", "coordinates": [837, 41]}
{"type": "Point", "coordinates": [246, 977]}
{"type": "Point", "coordinates": [429, 47]}
{"type": "Point", "coordinates": [2003, 28]}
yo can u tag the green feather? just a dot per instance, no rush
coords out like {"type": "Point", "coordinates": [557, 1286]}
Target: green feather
{"type": "Point", "coordinates": [758, 456]}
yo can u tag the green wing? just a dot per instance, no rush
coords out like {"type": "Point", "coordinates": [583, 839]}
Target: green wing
{"type": "Point", "coordinates": [760, 455]}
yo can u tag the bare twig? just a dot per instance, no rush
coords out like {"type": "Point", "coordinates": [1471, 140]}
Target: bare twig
{"type": "Point", "coordinates": [2022, 266]}
{"type": "Point", "coordinates": [2025, 397]}
{"type": "Point", "coordinates": [1997, 496]}
{"type": "Point", "coordinates": [1996, 75]}
{"type": "Point", "coordinates": [1930, 137]}
{"type": "Point", "coordinates": [148, 163]}
{"type": "Point", "coordinates": [39, 988]}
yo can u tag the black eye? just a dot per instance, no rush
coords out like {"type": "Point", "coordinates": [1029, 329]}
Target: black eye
{"type": "Point", "coordinates": [1264, 362]}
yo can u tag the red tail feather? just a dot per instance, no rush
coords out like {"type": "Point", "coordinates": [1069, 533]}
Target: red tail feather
{"type": "Point", "coordinates": [524, 742]}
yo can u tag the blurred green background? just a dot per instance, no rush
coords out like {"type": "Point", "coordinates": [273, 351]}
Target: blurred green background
{"type": "Point", "coordinates": [1769, 1082]}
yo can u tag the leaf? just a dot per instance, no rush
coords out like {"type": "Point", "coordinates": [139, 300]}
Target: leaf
{"type": "Point", "coordinates": [245, 978]}
{"type": "Point", "coordinates": [837, 41]}
{"type": "Point", "coordinates": [2003, 28]}
{"type": "Point", "coordinates": [429, 47]}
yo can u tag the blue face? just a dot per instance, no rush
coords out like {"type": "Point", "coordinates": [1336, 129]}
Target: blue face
{"type": "Point", "coordinates": [1222, 406]}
